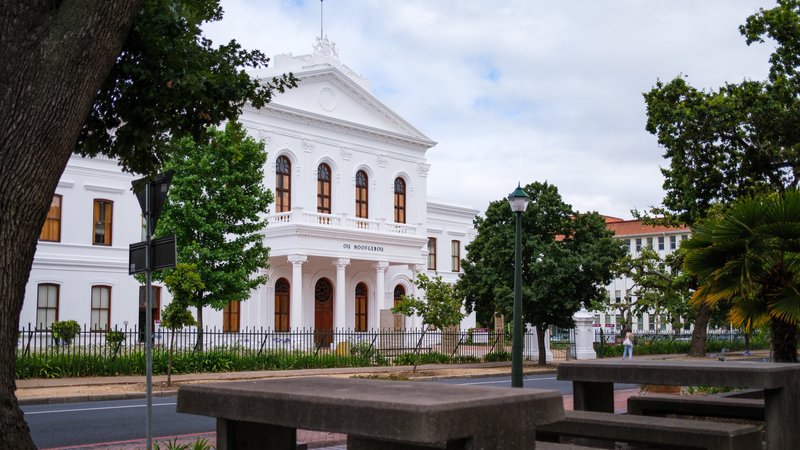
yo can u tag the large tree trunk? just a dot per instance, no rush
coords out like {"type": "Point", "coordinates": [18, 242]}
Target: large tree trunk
{"type": "Point", "coordinates": [55, 56]}
{"type": "Point", "coordinates": [541, 331]}
{"type": "Point", "coordinates": [699, 334]}
{"type": "Point", "coordinates": [198, 346]}
{"type": "Point", "coordinates": [784, 341]}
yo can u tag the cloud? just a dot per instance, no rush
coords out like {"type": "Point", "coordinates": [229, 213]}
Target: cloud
{"type": "Point", "coordinates": [522, 90]}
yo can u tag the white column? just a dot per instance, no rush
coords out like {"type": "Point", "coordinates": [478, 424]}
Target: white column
{"type": "Point", "coordinates": [584, 334]}
{"type": "Point", "coordinates": [296, 303]}
{"type": "Point", "coordinates": [339, 311]}
{"type": "Point", "coordinates": [380, 294]}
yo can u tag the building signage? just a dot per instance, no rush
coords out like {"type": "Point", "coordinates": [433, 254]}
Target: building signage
{"type": "Point", "coordinates": [363, 247]}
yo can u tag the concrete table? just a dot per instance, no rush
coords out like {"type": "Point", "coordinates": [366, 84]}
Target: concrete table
{"type": "Point", "coordinates": [372, 413]}
{"type": "Point", "coordinates": [593, 386]}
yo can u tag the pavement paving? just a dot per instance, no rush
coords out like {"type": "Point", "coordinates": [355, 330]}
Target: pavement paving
{"type": "Point", "coordinates": [61, 390]}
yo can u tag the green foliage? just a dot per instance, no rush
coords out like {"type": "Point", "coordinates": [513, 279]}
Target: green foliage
{"type": "Point", "coordinates": [497, 356]}
{"type": "Point", "coordinates": [182, 282]}
{"type": "Point", "coordinates": [170, 82]}
{"type": "Point", "coordinates": [739, 139]}
{"type": "Point", "coordinates": [750, 256]}
{"type": "Point", "coordinates": [441, 307]}
{"type": "Point", "coordinates": [199, 444]}
{"type": "Point", "coordinates": [217, 208]}
{"type": "Point", "coordinates": [65, 331]}
{"type": "Point", "coordinates": [567, 258]}
{"type": "Point", "coordinates": [115, 337]}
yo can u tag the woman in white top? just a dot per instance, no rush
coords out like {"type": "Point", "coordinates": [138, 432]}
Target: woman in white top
{"type": "Point", "coordinates": [628, 345]}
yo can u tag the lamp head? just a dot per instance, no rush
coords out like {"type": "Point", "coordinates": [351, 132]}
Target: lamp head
{"type": "Point", "coordinates": [518, 199]}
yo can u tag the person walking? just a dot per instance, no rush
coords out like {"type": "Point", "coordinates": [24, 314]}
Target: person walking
{"type": "Point", "coordinates": [628, 345]}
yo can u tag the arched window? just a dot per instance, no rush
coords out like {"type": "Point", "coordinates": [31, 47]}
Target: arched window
{"type": "Point", "coordinates": [324, 189]}
{"type": "Point", "coordinates": [282, 305]}
{"type": "Point", "coordinates": [361, 307]}
{"type": "Point", "coordinates": [399, 200]}
{"type": "Point", "coordinates": [362, 196]}
{"type": "Point", "coordinates": [399, 292]}
{"type": "Point", "coordinates": [283, 184]}
{"type": "Point", "coordinates": [46, 306]}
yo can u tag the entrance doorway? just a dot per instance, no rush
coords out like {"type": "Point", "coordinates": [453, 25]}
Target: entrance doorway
{"type": "Point", "coordinates": [323, 312]}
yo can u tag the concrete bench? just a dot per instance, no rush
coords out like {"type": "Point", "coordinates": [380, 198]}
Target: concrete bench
{"type": "Point", "coordinates": [697, 405]}
{"type": "Point", "coordinates": [374, 414]}
{"type": "Point", "coordinates": [643, 430]}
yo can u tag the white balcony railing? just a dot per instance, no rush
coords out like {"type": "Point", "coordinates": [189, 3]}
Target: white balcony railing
{"type": "Point", "coordinates": [299, 216]}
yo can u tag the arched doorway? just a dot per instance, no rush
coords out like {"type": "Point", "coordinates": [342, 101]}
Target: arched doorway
{"type": "Point", "coordinates": [323, 312]}
{"type": "Point", "coordinates": [399, 319]}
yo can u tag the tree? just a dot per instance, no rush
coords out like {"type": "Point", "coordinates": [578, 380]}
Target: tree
{"type": "Point", "coordinates": [751, 256]}
{"type": "Point", "coordinates": [62, 78]}
{"type": "Point", "coordinates": [567, 258]}
{"type": "Point", "coordinates": [659, 286]}
{"type": "Point", "coordinates": [182, 283]}
{"type": "Point", "coordinates": [738, 140]}
{"type": "Point", "coordinates": [217, 208]}
{"type": "Point", "coordinates": [441, 307]}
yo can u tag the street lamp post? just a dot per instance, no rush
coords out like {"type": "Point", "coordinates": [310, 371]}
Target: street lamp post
{"type": "Point", "coordinates": [519, 203]}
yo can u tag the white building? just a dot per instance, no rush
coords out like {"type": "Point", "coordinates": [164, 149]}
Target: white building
{"type": "Point", "coordinates": [351, 224]}
{"type": "Point", "coordinates": [636, 236]}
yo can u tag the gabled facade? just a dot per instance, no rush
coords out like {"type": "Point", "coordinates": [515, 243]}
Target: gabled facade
{"type": "Point", "coordinates": [350, 227]}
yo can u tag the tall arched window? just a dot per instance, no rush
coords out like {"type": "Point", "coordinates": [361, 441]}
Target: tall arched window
{"type": "Point", "coordinates": [362, 196]}
{"type": "Point", "coordinates": [361, 307]}
{"type": "Point", "coordinates": [399, 292]}
{"type": "Point", "coordinates": [399, 200]}
{"type": "Point", "coordinates": [283, 184]}
{"type": "Point", "coordinates": [324, 189]}
{"type": "Point", "coordinates": [282, 305]}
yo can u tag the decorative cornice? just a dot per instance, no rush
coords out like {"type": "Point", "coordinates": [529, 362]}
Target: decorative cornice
{"type": "Point", "coordinates": [289, 230]}
{"type": "Point", "coordinates": [106, 189]}
{"type": "Point", "coordinates": [310, 119]}
{"type": "Point", "coordinates": [297, 259]}
{"type": "Point", "coordinates": [424, 169]}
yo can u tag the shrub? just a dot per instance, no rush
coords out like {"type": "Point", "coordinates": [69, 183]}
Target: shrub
{"type": "Point", "coordinates": [65, 331]}
{"type": "Point", "coordinates": [497, 356]}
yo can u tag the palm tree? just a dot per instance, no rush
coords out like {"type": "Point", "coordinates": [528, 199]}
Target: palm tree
{"type": "Point", "coordinates": [750, 255]}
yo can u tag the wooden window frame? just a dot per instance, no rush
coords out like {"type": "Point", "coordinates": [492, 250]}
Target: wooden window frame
{"type": "Point", "coordinates": [106, 222]}
{"type": "Point", "coordinates": [53, 221]}
{"type": "Point", "coordinates": [399, 200]}
{"type": "Point", "coordinates": [324, 188]}
{"type": "Point", "coordinates": [362, 195]}
{"type": "Point", "coordinates": [100, 310]}
{"type": "Point", "coordinates": [47, 324]}
{"type": "Point", "coordinates": [282, 318]}
{"type": "Point", "coordinates": [283, 184]}
{"type": "Point", "coordinates": [431, 253]}
{"type": "Point", "coordinates": [361, 307]}
{"type": "Point", "coordinates": [232, 317]}
{"type": "Point", "coordinates": [455, 255]}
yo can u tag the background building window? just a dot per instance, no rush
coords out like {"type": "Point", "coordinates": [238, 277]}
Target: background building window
{"type": "Point", "coordinates": [456, 255]}
{"type": "Point", "coordinates": [101, 308]}
{"type": "Point", "coordinates": [638, 244]}
{"type": "Point", "coordinates": [361, 307]}
{"type": "Point", "coordinates": [283, 185]}
{"type": "Point", "coordinates": [627, 243]}
{"type": "Point", "coordinates": [282, 305]}
{"type": "Point", "coordinates": [399, 200]}
{"type": "Point", "coordinates": [46, 306]}
{"type": "Point", "coordinates": [362, 195]}
{"type": "Point", "coordinates": [661, 242]}
{"type": "Point", "coordinates": [673, 242]}
{"type": "Point", "coordinates": [101, 226]}
{"type": "Point", "coordinates": [324, 189]}
{"type": "Point", "coordinates": [51, 231]}
{"type": "Point", "coordinates": [230, 317]}
{"type": "Point", "coordinates": [431, 253]}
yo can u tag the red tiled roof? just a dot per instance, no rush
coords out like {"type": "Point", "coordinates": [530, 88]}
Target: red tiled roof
{"type": "Point", "coordinates": [636, 227]}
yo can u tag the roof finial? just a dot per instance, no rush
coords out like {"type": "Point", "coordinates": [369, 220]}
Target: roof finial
{"type": "Point", "coordinates": [320, 19]}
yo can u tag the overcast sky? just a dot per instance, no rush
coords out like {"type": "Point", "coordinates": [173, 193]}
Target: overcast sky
{"type": "Point", "coordinates": [521, 90]}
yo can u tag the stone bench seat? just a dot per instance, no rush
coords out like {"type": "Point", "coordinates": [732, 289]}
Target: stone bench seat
{"type": "Point", "coordinates": [644, 430]}
{"type": "Point", "coordinates": [374, 414]}
{"type": "Point", "coordinates": [697, 405]}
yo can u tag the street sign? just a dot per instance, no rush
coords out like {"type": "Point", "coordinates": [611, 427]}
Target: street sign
{"type": "Point", "coordinates": [159, 186]}
{"type": "Point", "coordinates": [164, 255]}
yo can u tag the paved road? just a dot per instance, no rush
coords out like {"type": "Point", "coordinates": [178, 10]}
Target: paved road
{"type": "Point", "coordinates": [71, 424]}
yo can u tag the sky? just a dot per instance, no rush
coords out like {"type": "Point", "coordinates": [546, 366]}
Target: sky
{"type": "Point", "coordinates": [521, 90]}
